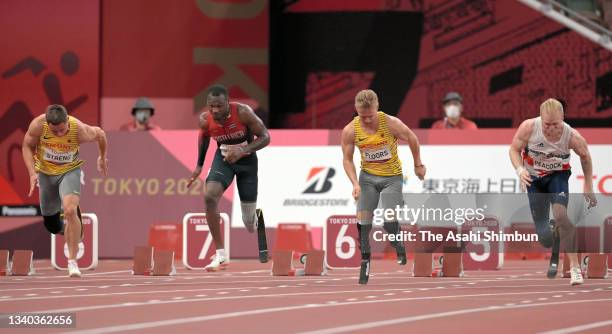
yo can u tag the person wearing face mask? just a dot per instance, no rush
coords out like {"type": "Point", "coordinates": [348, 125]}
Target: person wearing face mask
{"type": "Point", "coordinates": [453, 108]}
{"type": "Point", "coordinates": [142, 112]}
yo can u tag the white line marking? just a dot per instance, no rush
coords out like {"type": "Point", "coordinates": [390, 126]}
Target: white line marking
{"type": "Point", "coordinates": [375, 324]}
{"type": "Point", "coordinates": [350, 328]}
{"type": "Point", "coordinates": [580, 328]}
{"type": "Point", "coordinates": [108, 272]}
{"type": "Point", "coordinates": [174, 291]}
{"type": "Point", "coordinates": [413, 281]}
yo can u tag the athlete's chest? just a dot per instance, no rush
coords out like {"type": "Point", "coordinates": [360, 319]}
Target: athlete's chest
{"type": "Point", "coordinates": [365, 140]}
{"type": "Point", "coordinates": [58, 143]}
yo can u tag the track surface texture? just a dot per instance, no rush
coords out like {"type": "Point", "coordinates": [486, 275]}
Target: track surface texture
{"type": "Point", "coordinates": [245, 298]}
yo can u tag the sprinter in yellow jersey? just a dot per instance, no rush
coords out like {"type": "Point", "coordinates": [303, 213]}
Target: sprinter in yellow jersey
{"type": "Point", "coordinates": [51, 155]}
{"type": "Point", "coordinates": [375, 134]}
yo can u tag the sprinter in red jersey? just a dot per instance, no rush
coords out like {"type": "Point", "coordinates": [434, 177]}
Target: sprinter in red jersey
{"type": "Point", "coordinates": [239, 134]}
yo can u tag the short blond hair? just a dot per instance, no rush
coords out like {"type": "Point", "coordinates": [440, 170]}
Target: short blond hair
{"type": "Point", "coordinates": [551, 106]}
{"type": "Point", "coordinates": [366, 98]}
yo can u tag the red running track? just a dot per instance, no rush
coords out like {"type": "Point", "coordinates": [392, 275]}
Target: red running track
{"type": "Point", "coordinates": [245, 298]}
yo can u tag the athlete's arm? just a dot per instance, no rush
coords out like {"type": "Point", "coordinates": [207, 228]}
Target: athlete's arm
{"type": "Point", "coordinates": [87, 133]}
{"type": "Point", "coordinates": [403, 132]}
{"type": "Point", "coordinates": [203, 140]}
{"type": "Point", "coordinates": [579, 145]}
{"type": "Point", "coordinates": [30, 141]}
{"type": "Point", "coordinates": [348, 149]}
{"type": "Point", "coordinates": [520, 140]}
{"type": "Point", "coordinates": [203, 143]}
{"type": "Point", "coordinates": [255, 124]}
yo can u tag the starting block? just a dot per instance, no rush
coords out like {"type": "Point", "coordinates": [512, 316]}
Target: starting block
{"type": "Point", "coordinates": [5, 270]}
{"type": "Point", "coordinates": [452, 265]}
{"type": "Point", "coordinates": [282, 263]}
{"type": "Point", "coordinates": [143, 261]}
{"type": "Point", "coordinates": [163, 263]}
{"type": "Point", "coordinates": [315, 263]}
{"type": "Point", "coordinates": [423, 265]}
{"type": "Point", "coordinates": [23, 263]}
{"type": "Point", "coordinates": [597, 265]}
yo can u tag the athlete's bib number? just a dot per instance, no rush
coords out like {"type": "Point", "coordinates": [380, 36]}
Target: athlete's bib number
{"type": "Point", "coordinates": [58, 157]}
{"type": "Point", "coordinates": [377, 154]}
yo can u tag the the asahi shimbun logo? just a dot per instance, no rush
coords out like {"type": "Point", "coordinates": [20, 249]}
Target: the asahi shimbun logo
{"type": "Point", "coordinates": [318, 183]}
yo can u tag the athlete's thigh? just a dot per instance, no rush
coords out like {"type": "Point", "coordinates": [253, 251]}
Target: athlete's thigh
{"type": "Point", "coordinates": [49, 195]}
{"type": "Point", "coordinates": [247, 180]}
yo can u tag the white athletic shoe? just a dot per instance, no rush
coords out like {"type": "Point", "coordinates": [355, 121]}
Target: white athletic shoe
{"type": "Point", "coordinates": [576, 275]}
{"type": "Point", "coordinates": [73, 269]}
{"type": "Point", "coordinates": [217, 263]}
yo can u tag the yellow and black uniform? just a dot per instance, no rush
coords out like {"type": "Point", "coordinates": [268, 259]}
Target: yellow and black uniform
{"type": "Point", "coordinates": [58, 155]}
{"type": "Point", "coordinates": [380, 179]}
{"type": "Point", "coordinates": [378, 150]}
{"type": "Point", "coordinates": [59, 174]}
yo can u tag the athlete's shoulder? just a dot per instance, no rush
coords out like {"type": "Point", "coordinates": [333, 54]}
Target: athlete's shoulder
{"type": "Point", "coordinates": [349, 129]}
{"type": "Point", "coordinates": [528, 124]}
{"type": "Point", "coordinates": [390, 118]}
{"type": "Point", "coordinates": [242, 108]}
{"type": "Point", "coordinates": [36, 125]}
{"type": "Point", "coordinates": [394, 123]}
{"type": "Point", "coordinates": [40, 119]}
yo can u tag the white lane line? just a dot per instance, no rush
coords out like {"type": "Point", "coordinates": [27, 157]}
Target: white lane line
{"type": "Point", "coordinates": [140, 284]}
{"type": "Point", "coordinates": [580, 328]}
{"type": "Point", "coordinates": [350, 328]}
{"type": "Point", "coordinates": [390, 322]}
{"type": "Point", "coordinates": [119, 305]}
{"type": "Point", "coordinates": [108, 272]}
{"type": "Point", "coordinates": [55, 296]}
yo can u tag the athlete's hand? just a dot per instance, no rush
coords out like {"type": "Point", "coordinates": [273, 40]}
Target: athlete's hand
{"type": "Point", "coordinates": [234, 153]}
{"type": "Point", "coordinates": [356, 192]}
{"type": "Point", "coordinates": [590, 197]}
{"type": "Point", "coordinates": [420, 171]}
{"type": "Point", "coordinates": [524, 177]}
{"type": "Point", "coordinates": [103, 165]}
{"type": "Point", "coordinates": [194, 176]}
{"type": "Point", "coordinates": [33, 183]}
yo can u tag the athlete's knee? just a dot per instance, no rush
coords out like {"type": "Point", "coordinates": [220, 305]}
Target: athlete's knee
{"type": "Point", "coordinates": [211, 200]}
{"type": "Point", "coordinates": [70, 210]}
{"type": "Point", "coordinates": [53, 223]}
{"type": "Point", "coordinates": [560, 214]}
{"type": "Point", "coordinates": [545, 235]}
{"type": "Point", "coordinates": [364, 217]}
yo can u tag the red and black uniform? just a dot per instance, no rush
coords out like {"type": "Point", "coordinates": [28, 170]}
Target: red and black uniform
{"type": "Point", "coordinates": [232, 132]}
